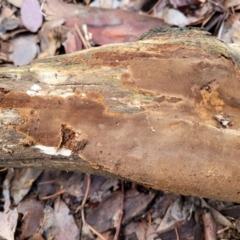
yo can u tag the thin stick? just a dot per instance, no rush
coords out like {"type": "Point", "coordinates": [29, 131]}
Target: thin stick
{"type": "Point", "coordinates": [86, 193]}
{"type": "Point", "coordinates": [177, 235]}
{"type": "Point", "coordinates": [54, 195]}
{"type": "Point", "coordinates": [85, 44]}
{"type": "Point", "coordinates": [82, 209]}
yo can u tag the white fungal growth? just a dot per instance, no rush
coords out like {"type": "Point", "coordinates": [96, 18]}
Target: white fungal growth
{"type": "Point", "coordinates": [53, 151]}
{"type": "Point", "coordinates": [31, 93]}
{"type": "Point", "coordinates": [36, 87]}
{"type": "Point", "coordinates": [225, 120]}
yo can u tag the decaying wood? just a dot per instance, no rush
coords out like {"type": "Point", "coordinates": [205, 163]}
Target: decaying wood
{"type": "Point", "coordinates": [162, 111]}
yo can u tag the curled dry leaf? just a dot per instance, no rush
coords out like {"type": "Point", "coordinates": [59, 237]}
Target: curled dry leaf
{"type": "Point", "coordinates": [101, 218]}
{"type": "Point", "coordinates": [22, 183]}
{"type": "Point", "coordinates": [9, 217]}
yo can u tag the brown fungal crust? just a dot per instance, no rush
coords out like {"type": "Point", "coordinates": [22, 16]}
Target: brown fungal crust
{"type": "Point", "coordinates": [153, 111]}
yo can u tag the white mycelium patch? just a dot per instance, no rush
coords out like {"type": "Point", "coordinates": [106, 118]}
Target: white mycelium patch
{"type": "Point", "coordinates": [54, 151]}
{"type": "Point", "coordinates": [34, 89]}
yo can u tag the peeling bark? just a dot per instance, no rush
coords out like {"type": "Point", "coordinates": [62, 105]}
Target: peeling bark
{"type": "Point", "coordinates": [162, 111]}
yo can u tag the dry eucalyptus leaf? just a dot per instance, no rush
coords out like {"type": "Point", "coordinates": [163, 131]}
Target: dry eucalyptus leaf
{"type": "Point", "coordinates": [32, 211]}
{"type": "Point", "coordinates": [101, 218]}
{"type": "Point", "coordinates": [135, 204]}
{"type": "Point", "coordinates": [217, 216]}
{"type": "Point", "coordinates": [22, 183]}
{"type": "Point", "coordinates": [10, 23]}
{"type": "Point", "coordinates": [178, 212]}
{"type": "Point", "coordinates": [2, 30]}
{"type": "Point", "coordinates": [31, 15]}
{"type": "Point", "coordinates": [64, 222]}
{"type": "Point", "coordinates": [72, 43]}
{"type": "Point", "coordinates": [25, 50]}
{"type": "Point", "coordinates": [16, 3]}
{"type": "Point", "coordinates": [72, 183]}
{"type": "Point", "coordinates": [9, 217]}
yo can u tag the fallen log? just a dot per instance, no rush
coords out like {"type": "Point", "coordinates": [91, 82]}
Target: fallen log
{"type": "Point", "coordinates": [162, 111]}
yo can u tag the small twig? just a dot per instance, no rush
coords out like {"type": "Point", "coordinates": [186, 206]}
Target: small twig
{"type": "Point", "coordinates": [222, 230]}
{"type": "Point", "coordinates": [85, 44]}
{"type": "Point", "coordinates": [151, 233]}
{"type": "Point", "coordinates": [82, 209]}
{"type": "Point", "coordinates": [3, 169]}
{"type": "Point", "coordinates": [86, 193]}
{"type": "Point", "coordinates": [90, 227]}
{"type": "Point", "coordinates": [41, 9]}
{"type": "Point", "coordinates": [54, 195]}
{"type": "Point", "coordinates": [88, 36]}
{"type": "Point", "coordinates": [41, 224]}
{"type": "Point", "coordinates": [177, 235]}
{"type": "Point", "coordinates": [27, 217]}
{"type": "Point", "coordinates": [121, 214]}
{"type": "Point", "coordinates": [216, 4]}
{"type": "Point", "coordinates": [133, 185]}
{"type": "Point", "coordinates": [47, 182]}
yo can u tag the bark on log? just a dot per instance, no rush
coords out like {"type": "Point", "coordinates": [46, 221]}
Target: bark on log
{"type": "Point", "coordinates": [162, 111]}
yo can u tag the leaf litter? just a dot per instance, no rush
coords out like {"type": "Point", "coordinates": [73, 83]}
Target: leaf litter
{"type": "Point", "coordinates": [49, 204]}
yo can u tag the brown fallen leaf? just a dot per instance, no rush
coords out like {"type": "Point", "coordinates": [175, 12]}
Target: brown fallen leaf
{"type": "Point", "coordinates": [36, 236]}
{"type": "Point", "coordinates": [106, 25]}
{"type": "Point", "coordinates": [32, 211]}
{"type": "Point", "coordinates": [72, 183]}
{"type": "Point", "coordinates": [72, 43]}
{"type": "Point", "coordinates": [101, 218]}
{"type": "Point", "coordinates": [176, 214]}
{"type": "Point", "coordinates": [135, 204]}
